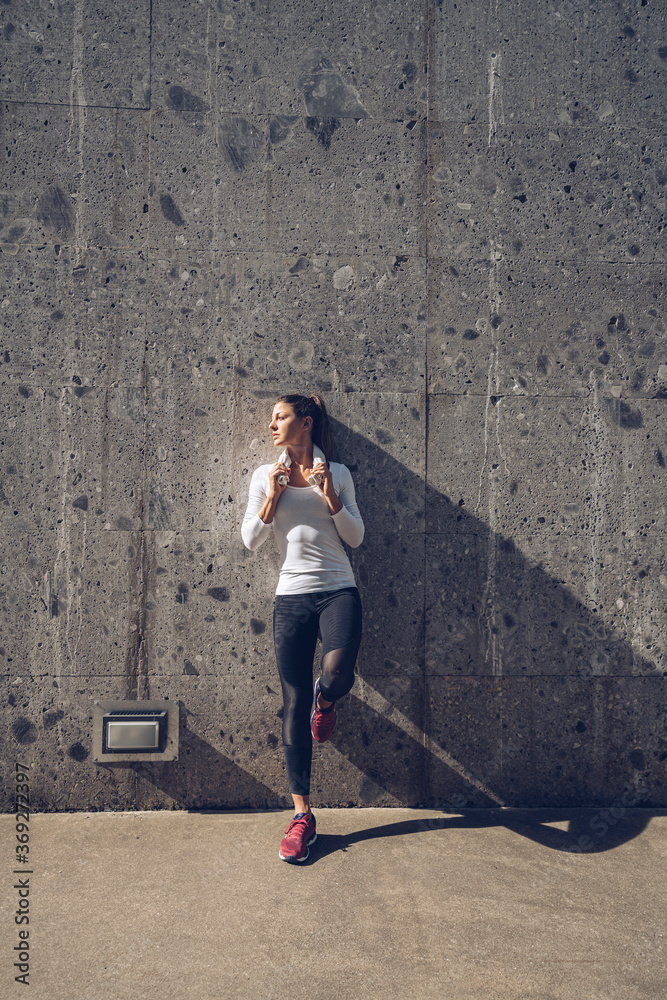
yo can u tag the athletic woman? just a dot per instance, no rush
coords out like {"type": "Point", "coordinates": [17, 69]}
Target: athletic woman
{"type": "Point", "coordinates": [316, 592]}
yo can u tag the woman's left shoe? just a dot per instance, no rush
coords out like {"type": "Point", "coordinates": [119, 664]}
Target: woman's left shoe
{"type": "Point", "coordinates": [322, 721]}
{"type": "Point", "coordinates": [300, 833]}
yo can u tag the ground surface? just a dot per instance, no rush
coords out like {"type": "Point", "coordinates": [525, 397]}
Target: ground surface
{"type": "Point", "coordinates": [391, 903]}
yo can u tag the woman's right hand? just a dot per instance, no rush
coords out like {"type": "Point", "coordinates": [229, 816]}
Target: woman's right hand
{"type": "Point", "coordinates": [276, 489]}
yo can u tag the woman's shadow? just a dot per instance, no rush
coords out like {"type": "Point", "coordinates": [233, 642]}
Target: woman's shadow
{"type": "Point", "coordinates": [588, 831]}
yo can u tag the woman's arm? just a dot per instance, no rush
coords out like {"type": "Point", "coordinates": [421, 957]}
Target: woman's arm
{"type": "Point", "coordinates": [256, 526]}
{"type": "Point", "coordinates": [349, 524]}
{"type": "Point", "coordinates": [255, 529]}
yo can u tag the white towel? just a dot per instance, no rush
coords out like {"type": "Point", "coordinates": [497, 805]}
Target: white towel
{"type": "Point", "coordinates": [318, 456]}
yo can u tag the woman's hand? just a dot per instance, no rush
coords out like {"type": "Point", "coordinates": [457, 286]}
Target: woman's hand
{"type": "Point", "coordinates": [276, 489]}
{"type": "Point", "coordinates": [326, 486]}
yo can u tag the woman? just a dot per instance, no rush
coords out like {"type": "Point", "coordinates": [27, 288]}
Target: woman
{"type": "Point", "coordinates": [316, 590]}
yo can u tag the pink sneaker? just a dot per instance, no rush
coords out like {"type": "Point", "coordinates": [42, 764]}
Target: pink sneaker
{"type": "Point", "coordinates": [322, 722]}
{"type": "Point", "coordinates": [300, 833]}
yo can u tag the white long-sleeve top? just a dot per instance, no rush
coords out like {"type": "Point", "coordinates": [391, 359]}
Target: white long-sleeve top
{"type": "Point", "coordinates": [312, 557]}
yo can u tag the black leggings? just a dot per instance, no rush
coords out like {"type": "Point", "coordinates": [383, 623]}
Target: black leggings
{"type": "Point", "coordinates": [297, 620]}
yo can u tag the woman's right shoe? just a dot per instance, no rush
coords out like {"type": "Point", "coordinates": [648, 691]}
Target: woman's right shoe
{"type": "Point", "coordinates": [300, 833]}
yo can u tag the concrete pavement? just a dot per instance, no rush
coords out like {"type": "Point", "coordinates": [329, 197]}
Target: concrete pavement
{"type": "Point", "coordinates": [530, 904]}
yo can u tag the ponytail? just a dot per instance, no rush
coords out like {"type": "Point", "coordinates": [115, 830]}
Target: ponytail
{"type": "Point", "coordinates": [313, 406]}
{"type": "Point", "coordinates": [321, 429]}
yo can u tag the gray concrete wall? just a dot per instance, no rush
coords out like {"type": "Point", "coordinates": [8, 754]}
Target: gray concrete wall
{"type": "Point", "coordinates": [449, 219]}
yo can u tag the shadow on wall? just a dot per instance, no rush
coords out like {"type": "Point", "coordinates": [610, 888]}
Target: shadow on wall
{"type": "Point", "coordinates": [524, 696]}
{"type": "Point", "coordinates": [573, 720]}
{"type": "Point", "coordinates": [198, 776]}
{"type": "Point", "coordinates": [588, 831]}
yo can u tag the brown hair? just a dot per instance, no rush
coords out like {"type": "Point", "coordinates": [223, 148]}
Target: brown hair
{"type": "Point", "coordinates": [312, 406]}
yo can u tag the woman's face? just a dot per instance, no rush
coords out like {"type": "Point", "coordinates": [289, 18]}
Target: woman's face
{"type": "Point", "coordinates": [286, 427]}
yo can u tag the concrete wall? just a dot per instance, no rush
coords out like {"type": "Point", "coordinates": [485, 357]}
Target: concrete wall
{"type": "Point", "coordinates": [449, 219]}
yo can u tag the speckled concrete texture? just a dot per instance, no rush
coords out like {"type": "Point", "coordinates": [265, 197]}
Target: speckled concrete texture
{"type": "Point", "coordinates": [446, 218]}
{"type": "Point", "coordinates": [577, 64]}
{"type": "Point", "coordinates": [513, 904]}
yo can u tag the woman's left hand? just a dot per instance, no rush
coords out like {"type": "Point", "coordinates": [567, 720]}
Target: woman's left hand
{"type": "Point", "coordinates": [326, 483]}
{"type": "Point", "coordinates": [326, 486]}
